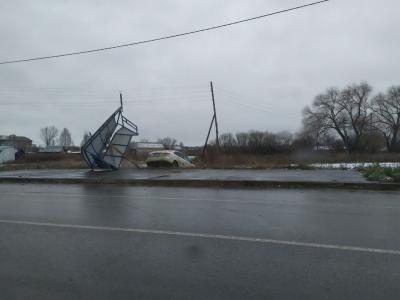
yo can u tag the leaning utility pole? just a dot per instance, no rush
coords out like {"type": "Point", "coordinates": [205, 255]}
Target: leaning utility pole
{"type": "Point", "coordinates": [215, 115]}
{"type": "Point", "coordinates": [120, 99]}
{"type": "Point", "coordinates": [214, 119]}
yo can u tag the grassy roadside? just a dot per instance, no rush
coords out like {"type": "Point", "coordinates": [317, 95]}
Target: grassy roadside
{"type": "Point", "coordinates": [223, 161]}
{"type": "Point", "coordinates": [43, 161]}
{"type": "Point", "coordinates": [294, 160]}
{"type": "Point", "coordinates": [61, 164]}
{"type": "Point", "coordinates": [377, 173]}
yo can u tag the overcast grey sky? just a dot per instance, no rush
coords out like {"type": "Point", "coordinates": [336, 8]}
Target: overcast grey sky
{"type": "Point", "coordinates": [264, 72]}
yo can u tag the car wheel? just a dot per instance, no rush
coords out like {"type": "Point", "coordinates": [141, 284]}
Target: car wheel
{"type": "Point", "coordinates": [175, 164]}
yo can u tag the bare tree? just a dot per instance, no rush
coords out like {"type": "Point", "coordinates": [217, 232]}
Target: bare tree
{"type": "Point", "coordinates": [269, 143]}
{"type": "Point", "coordinates": [227, 142]}
{"type": "Point", "coordinates": [355, 103]}
{"type": "Point", "coordinates": [242, 139]}
{"type": "Point", "coordinates": [313, 127]}
{"type": "Point", "coordinates": [344, 112]}
{"type": "Point", "coordinates": [386, 117]}
{"type": "Point", "coordinates": [284, 140]}
{"type": "Point", "coordinates": [167, 142]}
{"type": "Point", "coordinates": [48, 135]}
{"type": "Point", "coordinates": [85, 138]}
{"type": "Point", "coordinates": [255, 142]}
{"type": "Point", "coordinates": [65, 139]}
{"type": "Point", "coordinates": [327, 113]}
{"type": "Point", "coordinates": [304, 140]}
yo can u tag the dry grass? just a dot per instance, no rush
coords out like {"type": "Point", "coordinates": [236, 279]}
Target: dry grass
{"type": "Point", "coordinates": [301, 160]}
{"type": "Point", "coordinates": [55, 161]}
{"type": "Point", "coordinates": [61, 164]}
{"type": "Point", "coordinates": [216, 161]}
{"type": "Point", "coordinates": [45, 161]}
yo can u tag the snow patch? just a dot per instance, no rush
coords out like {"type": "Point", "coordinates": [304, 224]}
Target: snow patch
{"type": "Point", "coordinates": [354, 165]}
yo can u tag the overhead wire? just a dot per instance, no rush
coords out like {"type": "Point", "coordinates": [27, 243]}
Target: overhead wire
{"type": "Point", "coordinates": [103, 103]}
{"type": "Point", "coordinates": [55, 97]}
{"type": "Point", "coordinates": [237, 101]}
{"type": "Point", "coordinates": [71, 98]}
{"type": "Point", "coordinates": [240, 97]}
{"type": "Point", "coordinates": [163, 37]}
{"type": "Point", "coordinates": [102, 91]}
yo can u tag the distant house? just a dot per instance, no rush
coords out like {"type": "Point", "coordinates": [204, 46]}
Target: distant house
{"type": "Point", "coordinates": [17, 142]}
{"type": "Point", "coordinates": [143, 148]}
{"type": "Point", "coordinates": [193, 151]}
{"type": "Point", "coordinates": [177, 147]}
{"type": "Point", "coordinates": [73, 149]}
{"type": "Point", "coordinates": [7, 154]}
{"type": "Point", "coordinates": [53, 150]}
{"type": "Point", "coordinates": [322, 148]}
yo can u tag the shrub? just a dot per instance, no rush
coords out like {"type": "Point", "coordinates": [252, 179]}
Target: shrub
{"type": "Point", "coordinates": [377, 173]}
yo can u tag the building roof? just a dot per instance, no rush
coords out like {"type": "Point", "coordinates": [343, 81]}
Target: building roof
{"type": "Point", "coordinates": [14, 138]}
{"type": "Point", "coordinates": [147, 145]}
{"type": "Point", "coordinates": [5, 147]}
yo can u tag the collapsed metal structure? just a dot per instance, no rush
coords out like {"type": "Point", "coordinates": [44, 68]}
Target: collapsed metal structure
{"type": "Point", "coordinates": [106, 148]}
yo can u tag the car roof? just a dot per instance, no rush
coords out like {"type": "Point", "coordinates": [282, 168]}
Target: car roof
{"type": "Point", "coordinates": [163, 151]}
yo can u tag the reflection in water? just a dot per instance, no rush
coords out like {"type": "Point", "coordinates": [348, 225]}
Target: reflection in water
{"type": "Point", "coordinates": [150, 207]}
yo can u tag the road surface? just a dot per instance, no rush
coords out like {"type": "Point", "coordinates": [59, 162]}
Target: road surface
{"type": "Point", "coordinates": [317, 176]}
{"type": "Point", "coordinates": [120, 242]}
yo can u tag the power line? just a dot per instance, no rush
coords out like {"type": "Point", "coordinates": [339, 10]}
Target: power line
{"type": "Point", "coordinates": [240, 98]}
{"type": "Point", "coordinates": [110, 96]}
{"type": "Point", "coordinates": [234, 99]}
{"type": "Point", "coordinates": [77, 101]}
{"type": "Point", "coordinates": [164, 37]}
{"type": "Point", "coordinates": [101, 89]}
{"type": "Point", "coordinates": [135, 94]}
{"type": "Point", "coordinates": [248, 106]}
{"type": "Point", "coordinates": [105, 102]}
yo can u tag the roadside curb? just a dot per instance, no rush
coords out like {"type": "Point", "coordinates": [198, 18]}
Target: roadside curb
{"type": "Point", "coordinates": [206, 183]}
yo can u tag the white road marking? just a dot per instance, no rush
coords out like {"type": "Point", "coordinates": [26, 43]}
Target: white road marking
{"type": "Point", "coordinates": [207, 236]}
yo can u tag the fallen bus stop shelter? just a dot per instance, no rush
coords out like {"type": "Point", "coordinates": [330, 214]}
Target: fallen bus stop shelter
{"type": "Point", "coordinates": [105, 149]}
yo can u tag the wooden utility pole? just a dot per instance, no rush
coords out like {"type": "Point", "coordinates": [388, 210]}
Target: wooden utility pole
{"type": "Point", "coordinates": [214, 119]}
{"type": "Point", "coordinates": [215, 115]}
{"type": "Point", "coordinates": [120, 98]}
{"type": "Point", "coordinates": [208, 135]}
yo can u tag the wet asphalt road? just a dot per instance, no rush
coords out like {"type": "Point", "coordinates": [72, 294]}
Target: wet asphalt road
{"type": "Point", "coordinates": [346, 176]}
{"type": "Point", "coordinates": [93, 242]}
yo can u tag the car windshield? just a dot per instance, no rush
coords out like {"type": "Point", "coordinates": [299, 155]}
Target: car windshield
{"type": "Point", "coordinates": [180, 154]}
